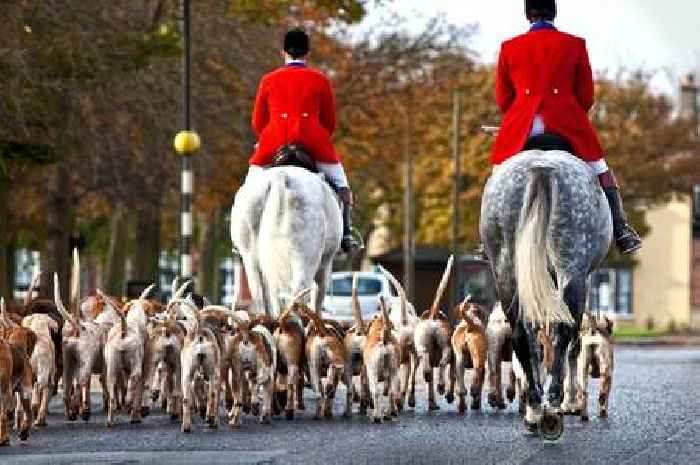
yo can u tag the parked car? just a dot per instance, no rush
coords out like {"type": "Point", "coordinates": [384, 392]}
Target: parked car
{"type": "Point", "coordinates": [371, 285]}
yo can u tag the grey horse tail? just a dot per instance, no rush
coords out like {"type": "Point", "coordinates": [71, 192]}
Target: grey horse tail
{"type": "Point", "coordinates": [540, 301]}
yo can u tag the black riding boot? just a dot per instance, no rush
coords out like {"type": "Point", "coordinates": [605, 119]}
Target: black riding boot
{"type": "Point", "coordinates": [626, 238]}
{"type": "Point", "coordinates": [348, 243]}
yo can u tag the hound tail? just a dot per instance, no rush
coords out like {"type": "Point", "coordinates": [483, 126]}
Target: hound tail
{"type": "Point", "coordinates": [540, 301]}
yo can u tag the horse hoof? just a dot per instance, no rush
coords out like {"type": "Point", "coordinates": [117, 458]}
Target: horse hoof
{"type": "Point", "coordinates": [72, 417]}
{"type": "Point", "coordinates": [186, 429]}
{"type": "Point", "coordinates": [575, 412]}
{"type": "Point", "coordinates": [552, 425]}
{"type": "Point", "coordinates": [135, 421]}
{"type": "Point", "coordinates": [174, 416]}
{"type": "Point", "coordinates": [145, 411]}
{"type": "Point", "coordinates": [5, 442]}
{"type": "Point", "coordinates": [603, 414]}
{"type": "Point", "coordinates": [412, 403]}
{"type": "Point", "coordinates": [24, 434]}
{"type": "Point", "coordinates": [86, 415]}
{"type": "Point", "coordinates": [510, 394]}
{"type": "Point", "coordinates": [203, 413]}
{"type": "Point", "coordinates": [585, 419]}
{"type": "Point", "coordinates": [441, 389]}
{"type": "Point", "coordinates": [450, 397]}
{"type": "Point", "coordinates": [476, 405]}
{"type": "Point", "coordinates": [376, 420]}
{"type": "Point", "coordinates": [289, 415]}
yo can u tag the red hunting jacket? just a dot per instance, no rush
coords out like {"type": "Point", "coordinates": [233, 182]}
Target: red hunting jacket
{"type": "Point", "coordinates": [545, 72]}
{"type": "Point", "coordinates": [294, 105]}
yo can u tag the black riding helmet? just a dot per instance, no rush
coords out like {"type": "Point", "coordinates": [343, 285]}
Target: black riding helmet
{"type": "Point", "coordinates": [541, 9]}
{"type": "Point", "coordinates": [296, 43]}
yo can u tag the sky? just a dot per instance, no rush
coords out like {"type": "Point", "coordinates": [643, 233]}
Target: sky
{"type": "Point", "coordinates": [659, 36]}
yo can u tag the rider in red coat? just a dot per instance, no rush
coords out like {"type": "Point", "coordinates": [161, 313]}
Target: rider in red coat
{"type": "Point", "coordinates": [295, 106]}
{"type": "Point", "coordinates": [545, 86]}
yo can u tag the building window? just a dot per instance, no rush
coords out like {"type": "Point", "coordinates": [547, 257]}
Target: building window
{"type": "Point", "coordinates": [611, 291]}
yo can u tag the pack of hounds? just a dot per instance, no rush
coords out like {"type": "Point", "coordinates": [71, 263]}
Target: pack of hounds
{"type": "Point", "coordinates": [182, 358]}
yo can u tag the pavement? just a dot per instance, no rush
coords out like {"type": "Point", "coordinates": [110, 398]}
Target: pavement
{"type": "Point", "coordinates": [654, 419]}
{"type": "Point", "coordinates": [660, 341]}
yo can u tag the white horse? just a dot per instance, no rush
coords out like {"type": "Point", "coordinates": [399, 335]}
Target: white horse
{"type": "Point", "coordinates": [286, 224]}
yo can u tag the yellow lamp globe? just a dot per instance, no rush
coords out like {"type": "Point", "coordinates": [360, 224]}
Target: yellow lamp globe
{"type": "Point", "coordinates": [187, 142]}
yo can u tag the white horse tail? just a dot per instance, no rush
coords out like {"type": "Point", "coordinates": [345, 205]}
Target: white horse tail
{"type": "Point", "coordinates": [540, 300]}
{"type": "Point", "coordinates": [275, 207]}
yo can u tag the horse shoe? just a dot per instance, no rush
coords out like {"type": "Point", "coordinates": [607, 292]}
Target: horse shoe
{"type": "Point", "coordinates": [551, 426]}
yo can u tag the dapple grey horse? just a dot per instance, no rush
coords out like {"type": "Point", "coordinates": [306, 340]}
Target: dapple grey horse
{"type": "Point", "coordinates": [286, 224]}
{"type": "Point", "coordinates": [546, 226]}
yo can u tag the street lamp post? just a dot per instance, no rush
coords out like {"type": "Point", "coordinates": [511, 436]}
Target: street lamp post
{"type": "Point", "coordinates": [186, 143]}
{"type": "Point", "coordinates": [456, 120]}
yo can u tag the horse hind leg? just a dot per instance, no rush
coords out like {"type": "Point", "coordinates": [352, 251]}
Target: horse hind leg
{"type": "Point", "coordinates": [574, 297]}
{"type": "Point", "coordinates": [522, 346]}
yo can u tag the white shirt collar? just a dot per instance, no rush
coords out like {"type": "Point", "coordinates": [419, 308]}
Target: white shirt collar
{"type": "Point", "coordinates": [295, 61]}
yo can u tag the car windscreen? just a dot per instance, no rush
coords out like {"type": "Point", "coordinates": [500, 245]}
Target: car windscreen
{"type": "Point", "coordinates": [342, 287]}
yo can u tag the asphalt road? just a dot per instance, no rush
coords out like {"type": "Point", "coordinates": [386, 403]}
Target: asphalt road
{"type": "Point", "coordinates": [654, 419]}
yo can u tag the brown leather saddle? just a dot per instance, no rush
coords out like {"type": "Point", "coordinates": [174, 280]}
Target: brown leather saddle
{"type": "Point", "coordinates": [295, 155]}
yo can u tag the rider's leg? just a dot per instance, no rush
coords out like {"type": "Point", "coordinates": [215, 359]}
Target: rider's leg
{"type": "Point", "coordinates": [335, 173]}
{"type": "Point", "coordinates": [626, 238]}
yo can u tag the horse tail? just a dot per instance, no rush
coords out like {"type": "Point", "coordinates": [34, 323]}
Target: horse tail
{"type": "Point", "coordinates": [540, 301]}
{"type": "Point", "coordinates": [276, 197]}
